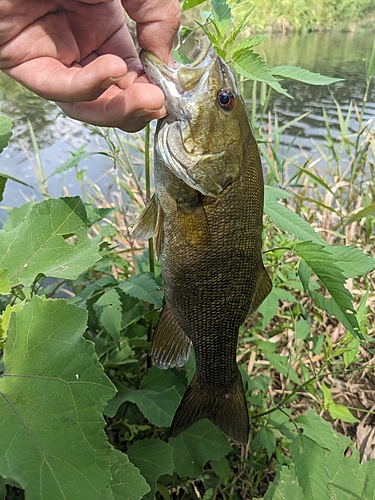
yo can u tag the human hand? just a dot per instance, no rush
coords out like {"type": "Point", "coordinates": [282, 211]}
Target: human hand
{"type": "Point", "coordinates": [80, 54]}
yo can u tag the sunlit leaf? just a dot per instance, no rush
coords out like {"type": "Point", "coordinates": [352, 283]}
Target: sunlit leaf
{"type": "Point", "coordinates": [3, 181]}
{"type": "Point", "coordinates": [351, 260]}
{"type": "Point", "coordinates": [53, 391]}
{"type": "Point", "coordinates": [303, 75]}
{"type": "Point", "coordinates": [285, 486]}
{"type": "Point", "coordinates": [108, 309]}
{"type": "Point", "coordinates": [189, 4]}
{"type": "Point", "coordinates": [221, 15]}
{"type": "Point", "coordinates": [40, 245]}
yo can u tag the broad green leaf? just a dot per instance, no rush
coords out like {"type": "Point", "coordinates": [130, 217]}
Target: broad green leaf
{"type": "Point", "coordinates": [281, 363]}
{"type": "Point", "coordinates": [143, 287]}
{"type": "Point", "coordinates": [189, 4]}
{"type": "Point", "coordinates": [269, 307]}
{"type": "Point", "coordinates": [311, 467]}
{"type": "Point", "coordinates": [351, 260]}
{"type": "Point", "coordinates": [346, 477]}
{"type": "Point", "coordinates": [3, 181]}
{"type": "Point", "coordinates": [285, 486]}
{"type": "Point", "coordinates": [222, 16]}
{"type": "Point", "coordinates": [4, 321]}
{"type": "Point", "coordinates": [5, 131]}
{"type": "Point", "coordinates": [287, 220]}
{"type": "Point", "coordinates": [157, 406]}
{"type": "Point", "coordinates": [195, 446]}
{"type": "Point", "coordinates": [251, 65]}
{"type": "Point", "coordinates": [159, 380]}
{"type": "Point", "coordinates": [222, 469]}
{"type": "Point", "coordinates": [39, 244]}
{"type": "Point", "coordinates": [303, 75]}
{"type": "Point", "coordinates": [351, 352]}
{"type": "Point", "coordinates": [53, 393]}
{"type": "Point", "coordinates": [17, 214]}
{"type": "Point", "coordinates": [127, 482]}
{"type": "Point", "coordinates": [302, 329]}
{"type": "Point", "coordinates": [323, 265]}
{"type": "Point", "coordinates": [153, 458]}
{"type": "Point", "coordinates": [368, 492]}
{"type": "Point", "coordinates": [108, 309]}
{"type": "Point", "coordinates": [96, 286]}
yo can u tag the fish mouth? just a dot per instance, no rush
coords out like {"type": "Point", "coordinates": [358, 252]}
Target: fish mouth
{"type": "Point", "coordinates": [178, 82]}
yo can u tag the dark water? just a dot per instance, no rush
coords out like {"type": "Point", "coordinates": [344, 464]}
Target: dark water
{"type": "Point", "coordinates": [338, 55]}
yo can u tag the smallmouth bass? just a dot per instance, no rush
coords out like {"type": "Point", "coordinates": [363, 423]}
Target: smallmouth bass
{"type": "Point", "coordinates": [206, 219]}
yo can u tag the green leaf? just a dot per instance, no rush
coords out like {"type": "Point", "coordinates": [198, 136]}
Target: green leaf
{"type": "Point", "coordinates": [311, 468]}
{"type": "Point", "coordinates": [53, 392]}
{"type": "Point", "coordinates": [323, 265]}
{"type": "Point", "coordinates": [269, 307]}
{"type": "Point", "coordinates": [251, 65]}
{"type": "Point", "coordinates": [351, 260]}
{"type": "Point", "coordinates": [38, 245]}
{"type": "Point", "coordinates": [127, 482]}
{"type": "Point", "coordinates": [371, 66]}
{"type": "Point", "coordinates": [108, 309]}
{"type": "Point", "coordinates": [3, 181]}
{"type": "Point", "coordinates": [364, 212]}
{"type": "Point", "coordinates": [351, 352]}
{"type": "Point", "coordinates": [346, 477]}
{"type": "Point", "coordinates": [222, 16]}
{"type": "Point", "coordinates": [281, 363]}
{"type": "Point", "coordinates": [342, 413]}
{"type": "Point", "coordinates": [189, 4]}
{"type": "Point", "coordinates": [5, 131]}
{"type": "Point", "coordinates": [17, 214]}
{"type": "Point", "coordinates": [222, 469]}
{"type": "Point", "coordinates": [265, 438]}
{"type": "Point", "coordinates": [78, 156]}
{"type": "Point", "coordinates": [153, 458]}
{"type": "Point", "coordinates": [285, 486]}
{"type": "Point", "coordinates": [303, 75]}
{"type": "Point", "coordinates": [143, 287]}
{"type": "Point", "coordinates": [287, 220]}
{"type": "Point", "coordinates": [195, 446]}
{"type": "Point", "coordinates": [248, 43]}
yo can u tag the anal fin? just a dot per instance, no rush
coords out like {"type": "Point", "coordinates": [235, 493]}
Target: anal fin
{"type": "Point", "coordinates": [170, 345]}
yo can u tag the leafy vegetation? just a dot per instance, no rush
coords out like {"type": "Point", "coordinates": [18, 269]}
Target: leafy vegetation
{"type": "Point", "coordinates": [79, 300]}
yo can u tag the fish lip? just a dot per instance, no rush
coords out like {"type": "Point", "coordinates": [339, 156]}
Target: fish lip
{"type": "Point", "coordinates": [178, 82]}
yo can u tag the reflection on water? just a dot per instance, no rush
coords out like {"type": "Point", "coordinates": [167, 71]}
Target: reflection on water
{"type": "Point", "coordinates": [334, 54]}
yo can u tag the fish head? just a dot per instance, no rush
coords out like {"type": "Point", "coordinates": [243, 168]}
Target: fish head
{"type": "Point", "coordinates": [203, 137]}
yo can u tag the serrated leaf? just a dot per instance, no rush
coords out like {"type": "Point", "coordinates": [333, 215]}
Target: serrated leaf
{"type": "Point", "coordinates": [52, 395]}
{"type": "Point", "coordinates": [311, 468]}
{"type": "Point", "coordinates": [222, 16]}
{"type": "Point", "coordinates": [77, 157]}
{"type": "Point", "coordinates": [303, 75]}
{"type": "Point", "coordinates": [38, 244]}
{"type": "Point", "coordinates": [347, 478]}
{"type": "Point", "coordinates": [143, 287]}
{"type": "Point", "coordinates": [127, 482]}
{"type": "Point", "coordinates": [3, 181]}
{"type": "Point", "coordinates": [195, 446]}
{"type": "Point", "coordinates": [153, 458]}
{"type": "Point", "coordinates": [287, 220]}
{"type": "Point", "coordinates": [108, 309]}
{"type": "Point", "coordinates": [285, 486]}
{"type": "Point", "coordinates": [251, 65]}
{"type": "Point", "coordinates": [265, 438]}
{"type": "Point", "coordinates": [351, 260]}
{"type": "Point", "coordinates": [5, 131]}
{"type": "Point", "coordinates": [248, 43]}
{"type": "Point", "coordinates": [323, 265]}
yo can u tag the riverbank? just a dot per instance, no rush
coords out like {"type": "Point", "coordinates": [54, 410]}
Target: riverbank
{"type": "Point", "coordinates": [307, 15]}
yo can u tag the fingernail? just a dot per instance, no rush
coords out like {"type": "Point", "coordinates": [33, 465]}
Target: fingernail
{"type": "Point", "coordinates": [110, 81]}
{"type": "Point", "coordinates": [144, 112]}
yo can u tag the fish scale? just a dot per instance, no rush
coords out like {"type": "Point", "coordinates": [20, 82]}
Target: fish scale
{"type": "Point", "coordinates": [206, 218]}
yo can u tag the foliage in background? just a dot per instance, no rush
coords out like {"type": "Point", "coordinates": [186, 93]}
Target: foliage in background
{"type": "Point", "coordinates": [72, 341]}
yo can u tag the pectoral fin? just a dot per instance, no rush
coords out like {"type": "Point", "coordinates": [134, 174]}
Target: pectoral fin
{"type": "Point", "coordinates": [262, 289]}
{"type": "Point", "coordinates": [145, 226]}
{"type": "Point", "coordinates": [170, 345]}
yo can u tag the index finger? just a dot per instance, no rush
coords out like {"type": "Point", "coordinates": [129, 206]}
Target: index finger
{"type": "Point", "coordinates": [157, 24]}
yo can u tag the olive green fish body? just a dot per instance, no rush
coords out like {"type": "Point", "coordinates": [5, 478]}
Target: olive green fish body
{"type": "Point", "coordinates": [208, 227]}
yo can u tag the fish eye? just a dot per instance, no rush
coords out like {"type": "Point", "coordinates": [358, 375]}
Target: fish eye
{"type": "Point", "coordinates": [225, 98]}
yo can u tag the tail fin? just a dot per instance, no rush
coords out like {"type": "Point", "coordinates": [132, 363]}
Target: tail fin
{"type": "Point", "coordinates": [226, 409]}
